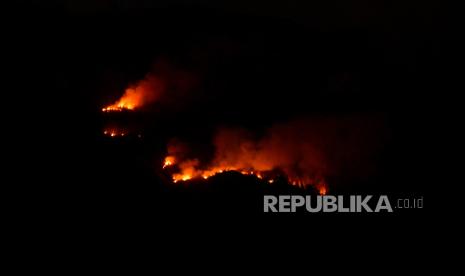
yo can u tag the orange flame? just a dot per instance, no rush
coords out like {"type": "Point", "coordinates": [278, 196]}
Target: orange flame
{"type": "Point", "coordinates": [188, 170]}
{"type": "Point", "coordinates": [169, 161]}
{"type": "Point", "coordinates": [130, 100]}
{"type": "Point", "coordinates": [145, 92]}
{"type": "Point", "coordinates": [321, 186]}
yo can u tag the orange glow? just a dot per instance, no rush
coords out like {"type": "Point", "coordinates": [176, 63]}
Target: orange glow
{"type": "Point", "coordinates": [322, 190]}
{"type": "Point", "coordinates": [131, 99]}
{"type": "Point", "coordinates": [144, 92]}
{"type": "Point", "coordinates": [189, 170]}
{"type": "Point", "coordinates": [299, 162]}
{"type": "Point", "coordinates": [169, 160]}
{"type": "Point", "coordinates": [114, 132]}
{"type": "Point", "coordinates": [115, 108]}
{"type": "Point", "coordinates": [181, 177]}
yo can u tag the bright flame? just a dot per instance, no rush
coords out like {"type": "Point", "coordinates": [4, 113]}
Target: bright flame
{"type": "Point", "coordinates": [169, 160]}
{"type": "Point", "coordinates": [131, 99]}
{"type": "Point", "coordinates": [181, 177]}
{"type": "Point", "coordinates": [189, 170]}
{"type": "Point", "coordinates": [144, 92]}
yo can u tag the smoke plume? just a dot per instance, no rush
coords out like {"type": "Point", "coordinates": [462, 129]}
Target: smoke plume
{"type": "Point", "coordinates": [165, 83]}
{"type": "Point", "coordinates": [306, 151]}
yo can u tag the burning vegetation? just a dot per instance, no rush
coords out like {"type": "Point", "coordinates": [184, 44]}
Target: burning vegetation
{"type": "Point", "coordinates": [144, 92]}
{"type": "Point", "coordinates": [278, 156]}
{"type": "Point", "coordinates": [304, 152]}
{"type": "Point", "coordinates": [153, 88]}
{"type": "Point", "coordinates": [187, 171]}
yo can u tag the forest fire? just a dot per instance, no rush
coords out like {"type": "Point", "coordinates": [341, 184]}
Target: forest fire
{"type": "Point", "coordinates": [144, 92]}
{"type": "Point", "coordinates": [130, 100]}
{"type": "Point", "coordinates": [302, 153]}
{"type": "Point", "coordinates": [292, 153]}
{"type": "Point", "coordinates": [188, 170]}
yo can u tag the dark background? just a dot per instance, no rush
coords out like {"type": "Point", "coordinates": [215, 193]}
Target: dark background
{"type": "Point", "coordinates": [399, 60]}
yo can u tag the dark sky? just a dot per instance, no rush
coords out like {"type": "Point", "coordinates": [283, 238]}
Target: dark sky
{"type": "Point", "coordinates": [326, 14]}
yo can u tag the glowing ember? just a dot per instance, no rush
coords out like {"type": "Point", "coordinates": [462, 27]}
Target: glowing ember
{"type": "Point", "coordinates": [114, 133]}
